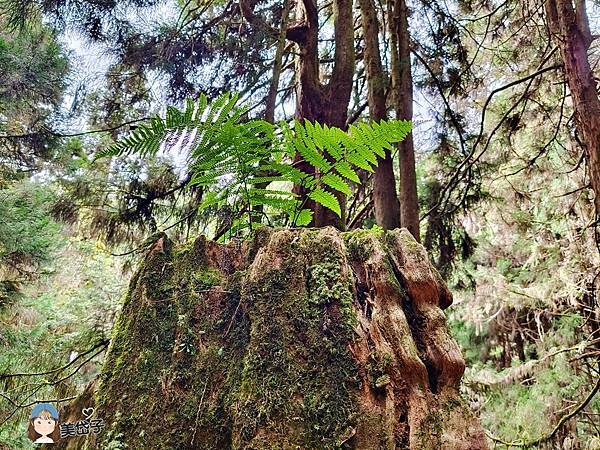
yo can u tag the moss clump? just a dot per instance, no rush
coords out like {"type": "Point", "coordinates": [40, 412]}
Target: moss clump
{"type": "Point", "coordinates": [405, 240]}
{"type": "Point", "coordinates": [207, 278]}
{"type": "Point", "coordinates": [328, 288]}
{"type": "Point", "coordinates": [360, 244]}
{"type": "Point", "coordinates": [377, 370]}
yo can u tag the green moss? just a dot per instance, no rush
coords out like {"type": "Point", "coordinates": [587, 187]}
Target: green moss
{"type": "Point", "coordinates": [377, 368]}
{"type": "Point", "coordinates": [405, 239]}
{"type": "Point", "coordinates": [181, 250]}
{"type": "Point", "coordinates": [430, 432]}
{"type": "Point", "coordinates": [165, 347]}
{"type": "Point", "coordinates": [205, 279]}
{"type": "Point", "coordinates": [360, 244]}
{"type": "Point", "coordinates": [298, 369]}
{"type": "Point", "coordinates": [328, 288]}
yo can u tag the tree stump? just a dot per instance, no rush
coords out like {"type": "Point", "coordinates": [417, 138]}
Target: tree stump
{"type": "Point", "coordinates": [299, 339]}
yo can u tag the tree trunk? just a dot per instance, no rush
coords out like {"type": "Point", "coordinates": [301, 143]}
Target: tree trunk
{"type": "Point", "coordinates": [323, 103]}
{"type": "Point", "coordinates": [306, 338]}
{"type": "Point", "coordinates": [271, 100]}
{"type": "Point", "coordinates": [385, 198]}
{"type": "Point", "coordinates": [277, 65]}
{"type": "Point", "coordinates": [570, 29]}
{"type": "Point", "coordinates": [402, 88]}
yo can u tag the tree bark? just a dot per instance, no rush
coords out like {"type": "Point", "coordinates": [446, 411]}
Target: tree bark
{"type": "Point", "coordinates": [299, 339]}
{"type": "Point", "coordinates": [277, 66]}
{"type": "Point", "coordinates": [323, 103]}
{"type": "Point", "coordinates": [402, 88]}
{"type": "Point", "coordinates": [387, 207]}
{"type": "Point", "coordinates": [569, 27]}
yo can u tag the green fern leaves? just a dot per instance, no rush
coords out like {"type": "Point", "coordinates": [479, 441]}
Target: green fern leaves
{"type": "Point", "coordinates": [335, 154]}
{"type": "Point", "coordinates": [325, 198]}
{"type": "Point", "coordinates": [245, 165]}
{"type": "Point", "coordinates": [201, 122]}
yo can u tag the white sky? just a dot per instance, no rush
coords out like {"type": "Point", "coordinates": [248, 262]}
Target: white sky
{"type": "Point", "coordinates": [91, 63]}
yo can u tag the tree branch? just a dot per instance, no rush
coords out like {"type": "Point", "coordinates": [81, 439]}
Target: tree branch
{"type": "Point", "coordinates": [81, 133]}
{"type": "Point", "coordinates": [561, 422]}
{"type": "Point", "coordinates": [102, 343]}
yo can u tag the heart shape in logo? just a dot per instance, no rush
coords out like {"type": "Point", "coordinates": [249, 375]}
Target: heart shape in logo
{"type": "Point", "coordinates": [87, 412]}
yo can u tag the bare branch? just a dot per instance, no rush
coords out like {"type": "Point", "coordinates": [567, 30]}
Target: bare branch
{"type": "Point", "coordinates": [103, 343]}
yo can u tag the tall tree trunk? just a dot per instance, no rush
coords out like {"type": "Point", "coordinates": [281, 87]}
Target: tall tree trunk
{"type": "Point", "coordinates": [385, 198]}
{"type": "Point", "coordinates": [277, 65]}
{"type": "Point", "coordinates": [316, 102]}
{"type": "Point", "coordinates": [570, 28]}
{"type": "Point", "coordinates": [403, 97]}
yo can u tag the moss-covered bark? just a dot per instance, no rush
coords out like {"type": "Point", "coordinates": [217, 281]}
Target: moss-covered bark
{"type": "Point", "coordinates": [301, 339]}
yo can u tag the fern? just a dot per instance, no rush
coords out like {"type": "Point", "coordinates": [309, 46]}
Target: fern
{"type": "Point", "coordinates": [336, 182]}
{"type": "Point", "coordinates": [207, 119]}
{"type": "Point", "coordinates": [344, 169]}
{"type": "Point", "coordinates": [304, 144]}
{"type": "Point", "coordinates": [303, 217]}
{"type": "Point", "coordinates": [333, 152]}
{"type": "Point", "coordinates": [239, 162]}
{"type": "Point", "coordinates": [327, 199]}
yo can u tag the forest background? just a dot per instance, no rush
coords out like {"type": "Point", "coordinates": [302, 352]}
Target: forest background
{"type": "Point", "coordinates": [501, 192]}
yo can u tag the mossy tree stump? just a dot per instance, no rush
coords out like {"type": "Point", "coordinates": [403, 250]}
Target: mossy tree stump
{"type": "Point", "coordinates": [300, 339]}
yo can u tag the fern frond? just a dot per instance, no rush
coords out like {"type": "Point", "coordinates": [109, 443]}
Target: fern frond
{"type": "Point", "coordinates": [265, 180]}
{"type": "Point", "coordinates": [327, 199]}
{"type": "Point", "coordinates": [309, 152]}
{"type": "Point", "coordinates": [260, 191]}
{"type": "Point", "coordinates": [234, 159]}
{"type": "Point", "coordinates": [336, 182]}
{"type": "Point", "coordinates": [344, 169]}
{"type": "Point", "coordinates": [284, 204]}
{"type": "Point", "coordinates": [293, 174]}
{"type": "Point", "coordinates": [205, 119]}
{"type": "Point", "coordinates": [209, 199]}
{"type": "Point", "coordinates": [356, 158]}
{"type": "Point", "coordinates": [303, 218]}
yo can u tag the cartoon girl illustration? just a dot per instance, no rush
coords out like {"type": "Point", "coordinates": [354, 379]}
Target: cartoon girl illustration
{"type": "Point", "coordinates": [43, 424]}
